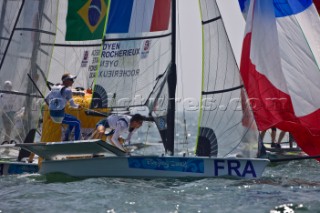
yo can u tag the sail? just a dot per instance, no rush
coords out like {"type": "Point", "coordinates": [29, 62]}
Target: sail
{"type": "Point", "coordinates": [225, 125]}
{"type": "Point", "coordinates": [280, 68]}
{"type": "Point", "coordinates": [136, 60]}
{"type": "Point", "coordinates": [136, 50]}
{"type": "Point", "coordinates": [6, 23]}
{"type": "Point", "coordinates": [76, 51]}
{"type": "Point", "coordinates": [25, 27]}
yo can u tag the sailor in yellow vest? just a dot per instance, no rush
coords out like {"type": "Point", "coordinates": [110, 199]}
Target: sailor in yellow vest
{"type": "Point", "coordinates": [119, 124]}
{"type": "Point", "coordinates": [57, 99]}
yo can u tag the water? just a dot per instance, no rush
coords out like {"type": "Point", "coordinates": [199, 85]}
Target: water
{"type": "Point", "coordinates": [289, 187]}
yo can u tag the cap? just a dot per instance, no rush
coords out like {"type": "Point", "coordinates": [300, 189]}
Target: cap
{"type": "Point", "coordinates": [68, 76]}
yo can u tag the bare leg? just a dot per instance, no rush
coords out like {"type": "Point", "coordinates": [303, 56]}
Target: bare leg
{"type": "Point", "coordinates": [281, 135]}
{"type": "Point", "coordinates": [96, 135]}
{"type": "Point", "coordinates": [273, 136]}
{"type": "Point", "coordinates": [262, 134]}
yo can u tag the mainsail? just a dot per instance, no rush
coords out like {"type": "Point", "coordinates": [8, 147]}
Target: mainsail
{"type": "Point", "coordinates": [24, 28]}
{"type": "Point", "coordinates": [225, 125]}
{"type": "Point", "coordinates": [135, 60]}
{"type": "Point", "coordinates": [280, 68]}
{"type": "Point", "coordinates": [78, 40]}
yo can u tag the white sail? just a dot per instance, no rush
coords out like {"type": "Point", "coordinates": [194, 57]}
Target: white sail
{"type": "Point", "coordinates": [79, 58]}
{"type": "Point", "coordinates": [136, 50]}
{"type": "Point", "coordinates": [225, 124]}
{"type": "Point", "coordinates": [26, 26]}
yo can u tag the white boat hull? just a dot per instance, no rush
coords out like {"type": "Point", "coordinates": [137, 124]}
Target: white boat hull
{"type": "Point", "coordinates": [156, 167]}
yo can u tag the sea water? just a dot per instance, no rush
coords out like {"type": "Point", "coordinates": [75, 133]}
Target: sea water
{"type": "Point", "coordinates": [285, 187]}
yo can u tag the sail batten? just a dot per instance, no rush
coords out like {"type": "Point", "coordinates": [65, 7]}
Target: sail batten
{"type": "Point", "coordinates": [222, 91]}
{"type": "Point", "coordinates": [211, 20]}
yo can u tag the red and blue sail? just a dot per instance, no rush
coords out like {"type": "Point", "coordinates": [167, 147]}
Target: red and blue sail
{"type": "Point", "coordinates": [280, 67]}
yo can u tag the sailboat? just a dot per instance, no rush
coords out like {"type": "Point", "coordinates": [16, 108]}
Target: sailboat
{"type": "Point", "coordinates": [134, 68]}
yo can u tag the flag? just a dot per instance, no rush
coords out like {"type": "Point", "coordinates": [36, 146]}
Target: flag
{"type": "Point", "coordinates": [280, 68]}
{"type": "Point", "coordinates": [86, 19]}
{"type": "Point", "coordinates": [138, 16]}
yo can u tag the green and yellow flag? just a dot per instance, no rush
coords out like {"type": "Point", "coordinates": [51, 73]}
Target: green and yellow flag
{"type": "Point", "coordinates": [86, 19]}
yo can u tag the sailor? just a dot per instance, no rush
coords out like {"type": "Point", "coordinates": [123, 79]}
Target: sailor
{"type": "Point", "coordinates": [273, 136]}
{"type": "Point", "coordinates": [57, 99]}
{"type": "Point", "coordinates": [118, 124]}
{"type": "Point", "coordinates": [10, 105]}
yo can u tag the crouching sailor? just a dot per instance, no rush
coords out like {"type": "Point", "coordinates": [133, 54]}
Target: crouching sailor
{"type": "Point", "coordinates": [57, 99]}
{"type": "Point", "coordinates": [118, 124]}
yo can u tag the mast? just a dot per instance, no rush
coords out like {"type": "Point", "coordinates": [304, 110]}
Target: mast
{"type": "Point", "coordinates": [172, 81]}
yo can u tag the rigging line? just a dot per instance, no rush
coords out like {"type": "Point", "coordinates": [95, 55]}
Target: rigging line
{"type": "Point", "coordinates": [158, 80]}
{"type": "Point", "coordinates": [11, 35]}
{"type": "Point", "coordinates": [37, 88]}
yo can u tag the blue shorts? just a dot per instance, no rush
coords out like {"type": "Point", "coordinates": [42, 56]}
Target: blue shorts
{"type": "Point", "coordinates": [57, 115]}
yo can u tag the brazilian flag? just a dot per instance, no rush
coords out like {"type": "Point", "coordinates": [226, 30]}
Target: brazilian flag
{"type": "Point", "coordinates": [86, 19]}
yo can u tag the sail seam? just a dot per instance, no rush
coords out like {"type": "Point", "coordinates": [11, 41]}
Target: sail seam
{"type": "Point", "coordinates": [211, 20]}
{"type": "Point", "coordinates": [71, 45]}
{"type": "Point", "coordinates": [137, 38]}
{"type": "Point", "coordinates": [222, 91]}
{"type": "Point", "coordinates": [111, 39]}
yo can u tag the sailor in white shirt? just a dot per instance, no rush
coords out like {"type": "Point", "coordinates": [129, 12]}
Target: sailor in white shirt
{"type": "Point", "coordinates": [10, 104]}
{"type": "Point", "coordinates": [57, 99]}
{"type": "Point", "coordinates": [119, 124]}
